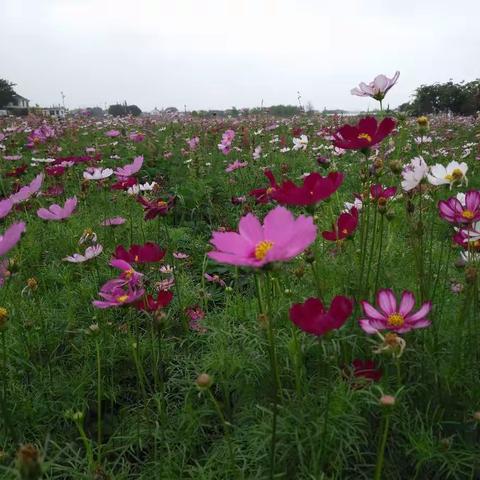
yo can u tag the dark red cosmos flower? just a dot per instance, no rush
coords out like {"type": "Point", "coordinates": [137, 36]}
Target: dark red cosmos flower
{"type": "Point", "coordinates": [154, 208]}
{"type": "Point", "coordinates": [311, 316]}
{"type": "Point", "coordinates": [149, 304]}
{"type": "Point", "coordinates": [364, 135]}
{"type": "Point", "coordinates": [124, 184]}
{"type": "Point", "coordinates": [55, 171]}
{"type": "Point", "coordinates": [347, 223]}
{"type": "Point", "coordinates": [315, 188]}
{"type": "Point", "coordinates": [264, 195]}
{"type": "Point", "coordinates": [148, 253]}
{"type": "Point", "coordinates": [17, 171]}
{"type": "Point", "coordinates": [54, 191]}
{"type": "Point", "coordinates": [297, 131]}
{"type": "Point", "coordinates": [366, 369]}
{"type": "Point", "coordinates": [378, 192]}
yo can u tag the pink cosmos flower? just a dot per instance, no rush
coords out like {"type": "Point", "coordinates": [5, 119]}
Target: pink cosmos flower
{"type": "Point", "coordinates": [455, 211]}
{"type": "Point", "coordinates": [280, 238]}
{"type": "Point", "coordinates": [118, 296]}
{"type": "Point", "coordinates": [11, 237]}
{"type": "Point", "coordinates": [235, 166]}
{"type": "Point", "coordinates": [5, 207]}
{"type": "Point", "coordinates": [90, 252]}
{"type": "Point", "coordinates": [113, 222]}
{"type": "Point", "coordinates": [128, 275]}
{"type": "Point", "coordinates": [136, 137]}
{"type": "Point", "coordinates": [28, 190]}
{"type": "Point", "coordinates": [131, 168]}
{"type": "Point", "coordinates": [56, 212]}
{"type": "Point", "coordinates": [180, 255]}
{"type": "Point", "coordinates": [376, 89]}
{"type": "Point", "coordinates": [399, 319]}
{"type": "Point", "coordinates": [112, 133]}
{"type": "Point", "coordinates": [93, 173]}
{"type": "Point", "coordinates": [193, 143]}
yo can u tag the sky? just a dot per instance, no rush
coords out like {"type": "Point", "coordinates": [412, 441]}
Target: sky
{"type": "Point", "coordinates": [215, 54]}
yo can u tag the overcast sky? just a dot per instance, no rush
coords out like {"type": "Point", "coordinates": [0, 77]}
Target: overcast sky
{"type": "Point", "coordinates": [220, 53]}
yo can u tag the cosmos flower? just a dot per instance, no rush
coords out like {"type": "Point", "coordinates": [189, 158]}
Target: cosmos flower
{"type": "Point", "coordinates": [56, 212]}
{"type": "Point", "coordinates": [136, 137]}
{"type": "Point", "coordinates": [399, 319]}
{"type": "Point", "coordinates": [193, 143]}
{"type": "Point", "coordinates": [280, 238]}
{"type": "Point", "coordinates": [90, 252]}
{"type": "Point", "coordinates": [347, 223]}
{"type": "Point", "coordinates": [264, 195]}
{"type": "Point", "coordinates": [380, 193]}
{"type": "Point", "coordinates": [112, 133]}
{"type": "Point", "coordinates": [131, 168]}
{"type": "Point", "coordinates": [235, 166]}
{"type": "Point", "coordinates": [150, 304]}
{"type": "Point", "coordinates": [315, 188]}
{"type": "Point", "coordinates": [5, 207]}
{"type": "Point", "coordinates": [364, 135]}
{"type": "Point", "coordinates": [300, 143]}
{"type": "Point", "coordinates": [155, 208]}
{"type": "Point", "coordinates": [146, 253]}
{"type": "Point", "coordinates": [376, 89]}
{"type": "Point", "coordinates": [113, 222]}
{"type": "Point", "coordinates": [413, 173]}
{"type": "Point", "coordinates": [454, 210]}
{"type": "Point", "coordinates": [454, 172]}
{"type": "Point", "coordinates": [97, 173]}
{"type": "Point", "coordinates": [313, 318]}
{"type": "Point", "coordinates": [28, 190]}
{"type": "Point", "coordinates": [11, 237]}
{"type": "Point", "coordinates": [114, 295]}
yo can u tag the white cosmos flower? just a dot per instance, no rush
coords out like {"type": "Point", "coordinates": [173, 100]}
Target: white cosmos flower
{"type": "Point", "coordinates": [136, 189]}
{"type": "Point", "coordinates": [413, 173]}
{"type": "Point", "coordinates": [452, 173]}
{"type": "Point", "coordinates": [357, 203]}
{"type": "Point", "coordinates": [97, 173]}
{"type": "Point", "coordinates": [90, 252]}
{"type": "Point", "coordinates": [300, 143]}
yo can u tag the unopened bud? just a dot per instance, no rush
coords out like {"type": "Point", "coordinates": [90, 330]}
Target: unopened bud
{"type": "Point", "coordinates": [387, 400]}
{"type": "Point", "coordinates": [396, 166]}
{"type": "Point", "coordinates": [3, 318]}
{"type": "Point", "coordinates": [204, 381]}
{"type": "Point", "coordinates": [28, 462]}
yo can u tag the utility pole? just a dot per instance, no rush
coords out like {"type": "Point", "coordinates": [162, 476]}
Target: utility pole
{"type": "Point", "coordinates": [63, 99]}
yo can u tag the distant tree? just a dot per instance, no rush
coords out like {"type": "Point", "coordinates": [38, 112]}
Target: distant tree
{"type": "Point", "coordinates": [134, 110]}
{"type": "Point", "coordinates": [119, 110]}
{"type": "Point", "coordinates": [233, 112]}
{"type": "Point", "coordinates": [459, 98]}
{"type": "Point", "coordinates": [285, 110]}
{"type": "Point", "coordinates": [94, 111]}
{"type": "Point", "coordinates": [7, 93]}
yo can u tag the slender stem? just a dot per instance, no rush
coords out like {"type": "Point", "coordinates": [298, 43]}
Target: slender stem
{"type": "Point", "coordinates": [99, 404]}
{"type": "Point", "coordinates": [381, 447]}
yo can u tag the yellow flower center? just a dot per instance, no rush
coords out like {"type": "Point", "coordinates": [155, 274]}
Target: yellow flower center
{"type": "Point", "coordinates": [262, 249]}
{"type": "Point", "coordinates": [136, 258]}
{"type": "Point", "coordinates": [161, 204]}
{"type": "Point", "coordinates": [122, 298]}
{"type": "Point", "coordinates": [468, 214]}
{"type": "Point", "coordinates": [3, 313]}
{"type": "Point", "coordinates": [88, 231]}
{"type": "Point", "coordinates": [456, 174]}
{"type": "Point", "coordinates": [365, 136]}
{"type": "Point", "coordinates": [128, 273]}
{"type": "Point", "coordinates": [396, 320]}
{"type": "Point", "coordinates": [270, 190]}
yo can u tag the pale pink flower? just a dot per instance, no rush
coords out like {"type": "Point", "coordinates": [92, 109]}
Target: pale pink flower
{"type": "Point", "coordinates": [56, 212]}
{"type": "Point", "coordinates": [131, 168]}
{"type": "Point", "coordinates": [376, 89]}
{"type": "Point", "coordinates": [11, 237]}
{"type": "Point", "coordinates": [90, 252]}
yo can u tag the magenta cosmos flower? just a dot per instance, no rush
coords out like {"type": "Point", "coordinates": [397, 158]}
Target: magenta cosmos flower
{"type": "Point", "coordinates": [454, 211]}
{"type": "Point", "coordinates": [11, 237]}
{"type": "Point", "coordinates": [131, 168]}
{"type": "Point", "coordinates": [280, 238]}
{"type": "Point", "coordinates": [365, 134]}
{"type": "Point", "coordinates": [56, 212]}
{"type": "Point", "coordinates": [313, 318]}
{"type": "Point", "coordinates": [399, 319]}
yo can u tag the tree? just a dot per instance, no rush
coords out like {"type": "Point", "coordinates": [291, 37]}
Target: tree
{"type": "Point", "coordinates": [119, 110]}
{"type": "Point", "coordinates": [7, 93]}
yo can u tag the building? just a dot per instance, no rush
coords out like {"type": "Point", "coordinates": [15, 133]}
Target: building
{"type": "Point", "coordinates": [18, 106]}
{"type": "Point", "coordinates": [57, 112]}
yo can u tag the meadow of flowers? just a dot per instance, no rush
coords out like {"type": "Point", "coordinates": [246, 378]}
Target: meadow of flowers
{"type": "Point", "coordinates": [246, 297]}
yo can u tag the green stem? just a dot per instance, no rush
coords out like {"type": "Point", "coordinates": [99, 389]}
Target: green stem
{"type": "Point", "coordinates": [381, 448]}
{"type": "Point", "coordinates": [99, 404]}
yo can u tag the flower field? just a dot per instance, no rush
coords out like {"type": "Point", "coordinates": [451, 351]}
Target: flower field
{"type": "Point", "coordinates": [246, 297]}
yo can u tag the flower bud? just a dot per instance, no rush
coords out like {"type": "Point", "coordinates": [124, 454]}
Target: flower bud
{"type": "Point", "coordinates": [204, 381]}
{"type": "Point", "coordinates": [387, 400]}
{"type": "Point", "coordinates": [390, 215]}
{"type": "Point", "coordinates": [3, 318]}
{"type": "Point", "coordinates": [470, 274]}
{"type": "Point", "coordinates": [396, 166]}
{"type": "Point", "coordinates": [422, 121]}
{"type": "Point", "coordinates": [28, 462]}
